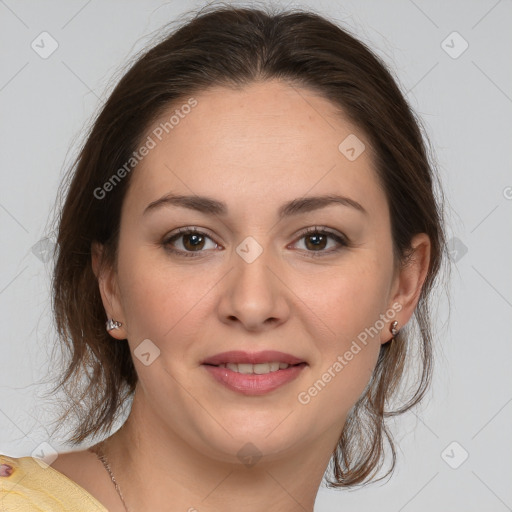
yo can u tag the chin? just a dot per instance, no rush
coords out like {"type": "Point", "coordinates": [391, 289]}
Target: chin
{"type": "Point", "coordinates": [245, 440]}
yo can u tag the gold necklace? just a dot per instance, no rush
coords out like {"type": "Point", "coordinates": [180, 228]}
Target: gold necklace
{"type": "Point", "coordinates": [101, 456]}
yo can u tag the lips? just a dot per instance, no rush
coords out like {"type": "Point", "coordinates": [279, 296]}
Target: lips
{"type": "Point", "coordinates": [253, 383]}
{"type": "Point", "coordinates": [242, 357]}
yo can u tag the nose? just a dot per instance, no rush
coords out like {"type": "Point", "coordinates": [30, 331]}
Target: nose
{"type": "Point", "coordinates": [254, 294]}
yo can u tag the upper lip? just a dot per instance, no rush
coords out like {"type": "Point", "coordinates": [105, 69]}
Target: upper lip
{"type": "Point", "coordinates": [265, 356]}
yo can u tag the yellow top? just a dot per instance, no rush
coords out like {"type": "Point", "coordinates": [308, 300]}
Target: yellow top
{"type": "Point", "coordinates": [30, 485]}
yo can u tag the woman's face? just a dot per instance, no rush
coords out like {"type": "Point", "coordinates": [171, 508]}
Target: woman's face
{"type": "Point", "coordinates": [252, 280]}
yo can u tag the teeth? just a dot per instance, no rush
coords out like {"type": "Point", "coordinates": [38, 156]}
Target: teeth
{"type": "Point", "coordinates": [258, 369]}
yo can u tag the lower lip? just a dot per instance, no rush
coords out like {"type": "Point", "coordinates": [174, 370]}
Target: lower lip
{"type": "Point", "coordinates": [253, 384]}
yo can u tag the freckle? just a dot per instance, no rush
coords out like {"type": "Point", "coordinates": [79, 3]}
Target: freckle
{"type": "Point", "coordinates": [5, 470]}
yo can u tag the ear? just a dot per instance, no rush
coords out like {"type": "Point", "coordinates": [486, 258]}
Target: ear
{"type": "Point", "coordinates": [109, 290]}
{"type": "Point", "coordinates": [408, 283]}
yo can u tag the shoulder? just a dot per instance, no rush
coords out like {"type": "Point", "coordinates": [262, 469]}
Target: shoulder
{"type": "Point", "coordinates": [28, 484]}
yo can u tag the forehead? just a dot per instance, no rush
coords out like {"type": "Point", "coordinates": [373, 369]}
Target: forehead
{"type": "Point", "coordinates": [268, 141]}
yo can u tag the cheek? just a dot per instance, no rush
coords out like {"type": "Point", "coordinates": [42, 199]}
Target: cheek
{"type": "Point", "coordinates": [346, 361]}
{"type": "Point", "coordinates": [348, 304]}
{"type": "Point", "coordinates": [158, 299]}
{"type": "Point", "coordinates": [346, 300]}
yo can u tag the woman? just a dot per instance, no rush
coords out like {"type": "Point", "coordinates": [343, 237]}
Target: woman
{"type": "Point", "coordinates": [247, 248]}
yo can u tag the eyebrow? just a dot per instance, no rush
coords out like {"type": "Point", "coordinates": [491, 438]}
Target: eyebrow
{"type": "Point", "coordinates": [211, 206]}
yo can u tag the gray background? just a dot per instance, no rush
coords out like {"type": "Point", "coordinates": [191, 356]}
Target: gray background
{"type": "Point", "coordinates": [465, 102]}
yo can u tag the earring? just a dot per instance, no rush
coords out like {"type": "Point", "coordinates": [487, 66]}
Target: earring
{"type": "Point", "coordinates": [113, 324]}
{"type": "Point", "coordinates": [393, 328]}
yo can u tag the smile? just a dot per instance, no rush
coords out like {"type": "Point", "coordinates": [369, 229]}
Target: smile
{"type": "Point", "coordinates": [258, 369]}
{"type": "Point", "coordinates": [254, 379]}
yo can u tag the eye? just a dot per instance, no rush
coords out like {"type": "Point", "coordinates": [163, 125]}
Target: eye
{"type": "Point", "coordinates": [316, 239]}
{"type": "Point", "coordinates": [193, 241]}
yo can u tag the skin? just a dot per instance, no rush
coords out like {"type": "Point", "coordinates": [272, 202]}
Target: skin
{"type": "Point", "coordinates": [254, 149]}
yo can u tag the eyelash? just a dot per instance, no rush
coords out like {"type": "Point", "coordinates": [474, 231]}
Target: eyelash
{"type": "Point", "coordinates": [318, 230]}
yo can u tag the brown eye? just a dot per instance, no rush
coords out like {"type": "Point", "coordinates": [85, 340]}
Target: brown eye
{"type": "Point", "coordinates": [188, 241]}
{"type": "Point", "coordinates": [193, 241]}
{"type": "Point", "coordinates": [316, 242]}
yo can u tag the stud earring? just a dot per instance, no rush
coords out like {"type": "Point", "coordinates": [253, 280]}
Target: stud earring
{"type": "Point", "coordinates": [113, 324]}
{"type": "Point", "coordinates": [393, 328]}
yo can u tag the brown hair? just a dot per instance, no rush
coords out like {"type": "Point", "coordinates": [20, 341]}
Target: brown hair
{"type": "Point", "coordinates": [233, 47]}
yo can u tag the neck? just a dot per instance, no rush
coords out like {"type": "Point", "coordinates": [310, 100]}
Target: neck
{"type": "Point", "coordinates": [154, 467]}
